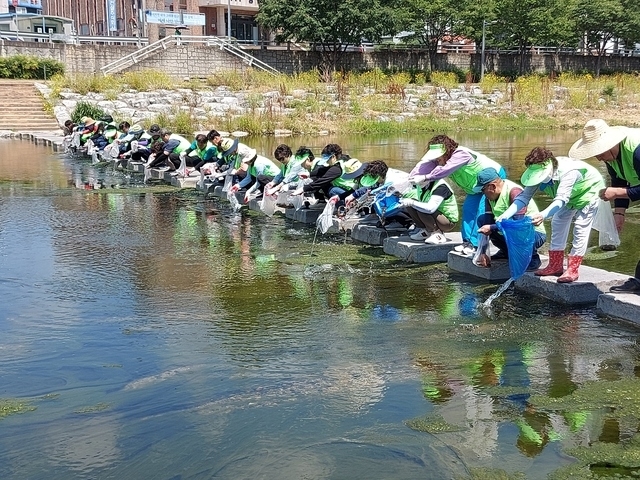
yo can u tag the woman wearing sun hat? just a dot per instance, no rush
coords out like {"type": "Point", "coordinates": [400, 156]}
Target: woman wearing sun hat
{"type": "Point", "coordinates": [462, 165]}
{"type": "Point", "coordinates": [619, 149]}
{"type": "Point", "coordinates": [574, 187]}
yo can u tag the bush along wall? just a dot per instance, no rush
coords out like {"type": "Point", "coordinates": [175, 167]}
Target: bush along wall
{"type": "Point", "coordinates": [28, 67]}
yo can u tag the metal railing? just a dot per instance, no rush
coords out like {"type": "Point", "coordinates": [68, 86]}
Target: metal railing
{"type": "Point", "coordinates": [70, 39]}
{"type": "Point", "coordinates": [222, 43]}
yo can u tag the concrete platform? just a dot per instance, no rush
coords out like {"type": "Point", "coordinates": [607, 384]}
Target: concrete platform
{"type": "Point", "coordinates": [625, 306]}
{"type": "Point", "coordinates": [372, 235]}
{"type": "Point", "coordinates": [137, 167]}
{"type": "Point", "coordinates": [255, 203]}
{"type": "Point", "coordinates": [592, 283]}
{"type": "Point", "coordinates": [217, 192]}
{"type": "Point", "coordinates": [185, 182]}
{"type": "Point", "coordinates": [498, 271]}
{"type": "Point", "coordinates": [309, 215]}
{"type": "Point", "coordinates": [156, 174]}
{"type": "Point", "coordinates": [414, 251]}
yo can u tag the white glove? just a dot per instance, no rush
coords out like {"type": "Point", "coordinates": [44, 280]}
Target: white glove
{"type": "Point", "coordinates": [407, 202]}
{"type": "Point", "coordinates": [183, 155]}
{"type": "Point", "coordinates": [418, 179]}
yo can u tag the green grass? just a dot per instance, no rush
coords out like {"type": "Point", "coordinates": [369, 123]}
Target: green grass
{"type": "Point", "coordinates": [352, 102]}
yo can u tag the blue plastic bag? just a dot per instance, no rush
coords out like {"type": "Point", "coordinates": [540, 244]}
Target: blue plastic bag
{"type": "Point", "coordinates": [387, 202]}
{"type": "Point", "coordinates": [520, 237]}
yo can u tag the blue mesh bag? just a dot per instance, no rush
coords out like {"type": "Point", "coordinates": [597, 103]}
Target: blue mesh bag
{"type": "Point", "coordinates": [520, 238]}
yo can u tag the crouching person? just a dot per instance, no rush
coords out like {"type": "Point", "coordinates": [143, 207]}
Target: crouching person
{"type": "Point", "coordinates": [174, 144]}
{"type": "Point", "coordinates": [433, 209]}
{"type": "Point", "coordinates": [499, 195]}
{"type": "Point", "coordinates": [259, 172]}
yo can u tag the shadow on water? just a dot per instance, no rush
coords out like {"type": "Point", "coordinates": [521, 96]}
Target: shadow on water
{"type": "Point", "coordinates": [157, 333]}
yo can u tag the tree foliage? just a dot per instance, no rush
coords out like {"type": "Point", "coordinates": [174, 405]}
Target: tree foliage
{"type": "Point", "coordinates": [514, 24]}
{"type": "Point", "coordinates": [331, 25]}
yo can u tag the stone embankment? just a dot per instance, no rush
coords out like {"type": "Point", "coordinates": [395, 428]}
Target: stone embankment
{"type": "Point", "coordinates": [208, 106]}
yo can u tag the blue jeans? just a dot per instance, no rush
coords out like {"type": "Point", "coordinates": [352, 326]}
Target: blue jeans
{"type": "Point", "coordinates": [333, 191]}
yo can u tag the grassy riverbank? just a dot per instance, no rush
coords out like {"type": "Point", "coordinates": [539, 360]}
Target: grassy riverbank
{"type": "Point", "coordinates": [377, 102]}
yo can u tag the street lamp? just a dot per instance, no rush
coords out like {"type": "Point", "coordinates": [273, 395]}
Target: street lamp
{"type": "Point", "coordinates": [229, 20]}
{"type": "Point", "coordinates": [484, 25]}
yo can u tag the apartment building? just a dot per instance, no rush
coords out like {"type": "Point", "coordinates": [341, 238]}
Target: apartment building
{"type": "Point", "coordinates": [126, 17]}
{"type": "Point", "coordinates": [21, 6]}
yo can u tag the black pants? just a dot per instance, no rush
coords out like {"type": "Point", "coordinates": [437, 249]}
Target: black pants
{"type": "Point", "coordinates": [263, 180]}
{"type": "Point", "coordinates": [172, 161]}
{"type": "Point", "coordinates": [141, 154]}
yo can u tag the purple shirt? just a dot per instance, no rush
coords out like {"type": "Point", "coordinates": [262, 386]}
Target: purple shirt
{"type": "Point", "coordinates": [458, 159]}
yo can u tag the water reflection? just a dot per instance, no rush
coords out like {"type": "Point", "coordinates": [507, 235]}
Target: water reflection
{"type": "Point", "coordinates": [183, 338]}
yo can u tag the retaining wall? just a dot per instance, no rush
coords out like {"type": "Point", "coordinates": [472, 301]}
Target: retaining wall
{"type": "Point", "coordinates": [199, 61]}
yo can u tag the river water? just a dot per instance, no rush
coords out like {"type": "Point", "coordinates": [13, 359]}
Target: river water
{"type": "Point", "coordinates": [150, 333]}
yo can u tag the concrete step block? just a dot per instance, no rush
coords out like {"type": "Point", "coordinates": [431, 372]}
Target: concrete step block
{"type": "Point", "coordinates": [185, 182]}
{"type": "Point", "coordinates": [592, 283]}
{"type": "Point", "coordinates": [625, 306]}
{"type": "Point", "coordinates": [309, 215]}
{"type": "Point", "coordinates": [137, 167]}
{"type": "Point", "coordinates": [254, 204]}
{"type": "Point", "coordinates": [157, 174]}
{"type": "Point", "coordinates": [498, 271]}
{"type": "Point", "coordinates": [372, 235]}
{"type": "Point", "coordinates": [217, 192]}
{"type": "Point", "coordinates": [415, 251]}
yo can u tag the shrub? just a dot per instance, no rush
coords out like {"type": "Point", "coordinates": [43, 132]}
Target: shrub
{"type": "Point", "coordinates": [85, 109]}
{"type": "Point", "coordinates": [179, 121]}
{"type": "Point", "coordinates": [446, 80]}
{"type": "Point", "coordinates": [28, 67]}
{"type": "Point", "coordinates": [146, 80]}
{"type": "Point", "coordinates": [87, 83]}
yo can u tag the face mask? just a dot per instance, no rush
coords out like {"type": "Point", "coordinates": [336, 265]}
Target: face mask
{"type": "Point", "coordinates": [368, 180]}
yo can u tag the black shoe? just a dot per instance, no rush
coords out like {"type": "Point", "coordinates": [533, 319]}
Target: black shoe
{"type": "Point", "coordinates": [500, 255]}
{"type": "Point", "coordinates": [534, 264]}
{"type": "Point", "coordinates": [632, 285]}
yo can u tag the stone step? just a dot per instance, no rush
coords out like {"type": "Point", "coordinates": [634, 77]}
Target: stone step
{"type": "Point", "coordinates": [620, 305]}
{"type": "Point", "coordinates": [590, 285]}
{"type": "Point", "coordinates": [416, 251]}
{"type": "Point", "coordinates": [26, 118]}
{"type": "Point", "coordinates": [28, 121]}
{"type": "Point", "coordinates": [21, 105]}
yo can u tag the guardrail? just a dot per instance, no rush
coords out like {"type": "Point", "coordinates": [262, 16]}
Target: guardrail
{"type": "Point", "coordinates": [70, 39]}
{"type": "Point", "coordinates": [241, 45]}
{"type": "Point", "coordinates": [223, 44]}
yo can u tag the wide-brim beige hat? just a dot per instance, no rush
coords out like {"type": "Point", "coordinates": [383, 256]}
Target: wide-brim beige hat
{"type": "Point", "coordinates": [597, 138]}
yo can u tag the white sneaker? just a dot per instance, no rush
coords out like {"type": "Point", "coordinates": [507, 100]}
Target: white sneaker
{"type": "Point", "coordinates": [468, 251]}
{"type": "Point", "coordinates": [420, 235]}
{"type": "Point", "coordinates": [436, 238]}
{"type": "Point", "coordinates": [460, 248]}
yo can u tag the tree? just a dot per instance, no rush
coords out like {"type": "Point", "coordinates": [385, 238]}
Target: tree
{"type": "Point", "coordinates": [525, 23]}
{"type": "Point", "coordinates": [431, 21]}
{"type": "Point", "coordinates": [601, 21]}
{"type": "Point", "coordinates": [331, 25]}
